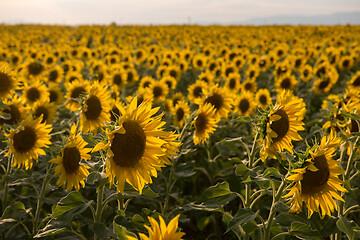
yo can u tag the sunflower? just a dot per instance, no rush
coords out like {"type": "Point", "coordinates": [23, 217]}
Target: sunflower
{"type": "Point", "coordinates": [263, 98]}
{"type": "Point", "coordinates": [249, 86]}
{"type": "Point", "coordinates": [244, 104]}
{"type": "Point", "coordinates": [306, 73]}
{"type": "Point", "coordinates": [197, 91]}
{"type": "Point", "coordinates": [55, 94]}
{"type": "Point", "coordinates": [55, 75]}
{"type": "Point", "coordinates": [72, 173]}
{"type": "Point", "coordinates": [205, 123]}
{"type": "Point", "coordinates": [96, 108]}
{"type": "Point", "coordinates": [76, 90]}
{"type": "Point", "coordinates": [118, 77]}
{"type": "Point", "coordinates": [199, 61]}
{"type": "Point", "coordinates": [181, 111]}
{"type": "Point", "coordinates": [8, 82]}
{"type": "Point", "coordinates": [326, 82]}
{"type": "Point", "coordinates": [161, 231]}
{"type": "Point", "coordinates": [72, 76]}
{"type": "Point", "coordinates": [16, 59]}
{"type": "Point", "coordinates": [159, 91]}
{"type": "Point", "coordinates": [317, 183]}
{"type": "Point", "coordinates": [173, 71]}
{"type": "Point", "coordinates": [15, 108]}
{"type": "Point", "coordinates": [221, 101]}
{"type": "Point", "coordinates": [49, 60]}
{"type": "Point", "coordinates": [252, 73]}
{"type": "Point", "coordinates": [286, 82]}
{"type": "Point", "coordinates": [354, 82]}
{"type": "Point", "coordinates": [134, 147]}
{"type": "Point", "coordinates": [169, 81]}
{"type": "Point", "coordinates": [207, 77]}
{"type": "Point", "coordinates": [36, 91]}
{"type": "Point", "coordinates": [34, 70]}
{"type": "Point", "coordinates": [132, 76]}
{"type": "Point", "coordinates": [45, 109]}
{"type": "Point", "coordinates": [145, 82]}
{"type": "Point", "coordinates": [282, 126]}
{"type": "Point", "coordinates": [346, 62]}
{"type": "Point", "coordinates": [27, 140]}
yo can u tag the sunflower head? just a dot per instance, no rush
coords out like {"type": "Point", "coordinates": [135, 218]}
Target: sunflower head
{"type": "Point", "coordinates": [205, 123]}
{"type": "Point", "coordinates": [27, 141]}
{"type": "Point", "coordinates": [8, 81]}
{"type": "Point", "coordinates": [316, 181]}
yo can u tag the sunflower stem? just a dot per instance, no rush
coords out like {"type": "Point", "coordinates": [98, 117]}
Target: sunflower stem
{"type": "Point", "coordinates": [99, 207]}
{"type": "Point", "coordinates": [272, 213]}
{"type": "Point", "coordinates": [39, 201]}
{"type": "Point", "coordinates": [7, 173]}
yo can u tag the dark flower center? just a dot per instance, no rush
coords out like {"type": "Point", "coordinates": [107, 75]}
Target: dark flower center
{"type": "Point", "coordinates": [41, 110]}
{"type": "Point", "coordinates": [232, 83]}
{"type": "Point", "coordinates": [197, 92]}
{"type": "Point", "coordinates": [71, 159]}
{"type": "Point", "coordinates": [35, 68]}
{"type": "Point", "coordinates": [114, 114]}
{"type": "Point", "coordinates": [76, 92]}
{"type": "Point", "coordinates": [248, 86]}
{"type": "Point", "coordinates": [117, 79]}
{"type": "Point", "coordinates": [285, 83]}
{"type": "Point", "coordinates": [6, 83]}
{"type": "Point", "coordinates": [53, 75]}
{"type": "Point", "coordinates": [94, 108]}
{"type": "Point", "coordinates": [323, 84]}
{"type": "Point", "coordinates": [129, 148]}
{"type": "Point", "coordinates": [157, 91]}
{"type": "Point", "coordinates": [180, 114]}
{"type": "Point", "coordinates": [173, 73]}
{"type": "Point", "coordinates": [314, 182]}
{"type": "Point", "coordinates": [130, 76]}
{"type": "Point", "coordinates": [357, 82]}
{"type": "Point", "coordinates": [346, 63]}
{"type": "Point", "coordinates": [33, 94]}
{"type": "Point", "coordinates": [25, 139]}
{"type": "Point", "coordinates": [15, 115]}
{"type": "Point", "coordinates": [53, 96]}
{"type": "Point", "coordinates": [354, 126]}
{"type": "Point", "coordinates": [216, 100]}
{"type": "Point", "coordinates": [263, 99]}
{"type": "Point", "coordinates": [199, 63]}
{"type": "Point", "coordinates": [201, 123]}
{"type": "Point", "coordinates": [281, 126]}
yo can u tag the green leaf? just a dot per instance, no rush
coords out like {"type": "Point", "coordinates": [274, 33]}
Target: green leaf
{"type": "Point", "coordinates": [184, 170]}
{"type": "Point", "coordinates": [50, 232]}
{"type": "Point", "coordinates": [120, 231]}
{"type": "Point", "coordinates": [219, 194]}
{"type": "Point", "coordinates": [299, 227]}
{"type": "Point", "coordinates": [15, 210]}
{"type": "Point", "coordinates": [303, 230]}
{"type": "Point", "coordinates": [96, 177]}
{"type": "Point", "coordinates": [241, 169]}
{"type": "Point", "coordinates": [67, 203]}
{"type": "Point", "coordinates": [272, 172]}
{"type": "Point", "coordinates": [148, 192]}
{"type": "Point", "coordinates": [243, 215]}
{"type": "Point", "coordinates": [347, 227]}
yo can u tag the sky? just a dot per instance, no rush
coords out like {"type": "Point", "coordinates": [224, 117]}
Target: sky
{"type": "Point", "coordinates": [75, 12]}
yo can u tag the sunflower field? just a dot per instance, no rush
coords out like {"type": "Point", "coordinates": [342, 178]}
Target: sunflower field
{"type": "Point", "coordinates": [179, 132]}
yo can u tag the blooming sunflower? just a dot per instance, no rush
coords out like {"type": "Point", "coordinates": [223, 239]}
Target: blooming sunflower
{"type": "Point", "coordinates": [134, 147]}
{"type": "Point", "coordinates": [286, 82]}
{"type": "Point", "coordinates": [317, 183]}
{"type": "Point", "coordinates": [354, 82]}
{"type": "Point", "coordinates": [245, 104]}
{"type": "Point", "coordinates": [7, 81]}
{"type": "Point", "coordinates": [159, 90]}
{"type": "Point", "coordinates": [96, 108]}
{"type": "Point", "coordinates": [72, 173]}
{"type": "Point", "coordinates": [15, 108]}
{"type": "Point", "coordinates": [181, 111]}
{"type": "Point", "coordinates": [326, 82]}
{"type": "Point", "coordinates": [221, 101]}
{"type": "Point", "coordinates": [249, 86]}
{"type": "Point", "coordinates": [232, 83]}
{"type": "Point", "coordinates": [282, 126]}
{"type": "Point", "coordinates": [76, 90]}
{"type": "Point", "coordinates": [34, 70]}
{"type": "Point", "coordinates": [55, 75]}
{"type": "Point", "coordinates": [27, 140]}
{"type": "Point", "coordinates": [197, 91]}
{"type": "Point", "coordinates": [55, 94]}
{"type": "Point", "coordinates": [169, 81]}
{"type": "Point", "coordinates": [36, 91]}
{"type": "Point", "coordinates": [162, 231]}
{"type": "Point", "coordinates": [263, 98]}
{"type": "Point", "coordinates": [45, 109]}
{"type": "Point", "coordinates": [306, 73]}
{"type": "Point", "coordinates": [205, 123]}
{"type": "Point", "coordinates": [118, 78]}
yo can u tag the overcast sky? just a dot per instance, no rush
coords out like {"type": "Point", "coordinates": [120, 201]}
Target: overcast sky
{"type": "Point", "coordinates": [162, 11]}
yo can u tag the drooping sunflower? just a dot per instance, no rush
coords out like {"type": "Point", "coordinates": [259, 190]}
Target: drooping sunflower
{"type": "Point", "coordinates": [8, 82]}
{"type": "Point", "coordinates": [205, 123]}
{"type": "Point", "coordinates": [326, 82]}
{"type": "Point", "coordinates": [36, 91]}
{"type": "Point", "coordinates": [263, 98]}
{"type": "Point", "coordinates": [161, 231]}
{"type": "Point", "coordinates": [27, 141]}
{"type": "Point", "coordinates": [76, 90]}
{"type": "Point", "coordinates": [221, 101]}
{"type": "Point", "coordinates": [95, 110]}
{"type": "Point", "coordinates": [72, 172]}
{"type": "Point", "coordinates": [135, 146]}
{"type": "Point", "coordinates": [282, 126]}
{"type": "Point", "coordinates": [244, 104]}
{"type": "Point", "coordinates": [317, 183]}
{"type": "Point", "coordinates": [181, 111]}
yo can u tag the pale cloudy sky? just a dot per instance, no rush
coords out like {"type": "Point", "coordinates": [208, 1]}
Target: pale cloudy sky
{"type": "Point", "coordinates": [162, 11]}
